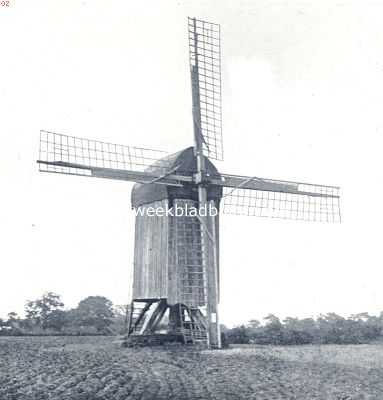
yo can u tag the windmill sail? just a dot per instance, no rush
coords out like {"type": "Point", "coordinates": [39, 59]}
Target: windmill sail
{"type": "Point", "coordinates": [205, 69]}
{"type": "Point", "coordinates": [79, 156]}
{"type": "Point", "coordinates": [279, 199]}
{"type": "Point", "coordinates": [176, 264]}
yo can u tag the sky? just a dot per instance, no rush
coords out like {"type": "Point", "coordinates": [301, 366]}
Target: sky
{"type": "Point", "coordinates": [302, 96]}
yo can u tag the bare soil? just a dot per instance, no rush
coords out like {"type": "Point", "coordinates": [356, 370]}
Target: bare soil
{"type": "Point", "coordinates": [96, 368]}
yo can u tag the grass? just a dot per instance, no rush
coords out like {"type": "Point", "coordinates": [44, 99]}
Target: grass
{"type": "Point", "coordinates": [95, 368]}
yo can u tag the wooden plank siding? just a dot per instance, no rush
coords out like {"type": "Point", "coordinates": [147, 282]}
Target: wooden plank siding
{"type": "Point", "coordinates": [150, 260]}
{"type": "Point", "coordinates": [167, 255]}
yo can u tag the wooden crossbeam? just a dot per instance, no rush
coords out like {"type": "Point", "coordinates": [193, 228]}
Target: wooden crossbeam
{"type": "Point", "coordinates": [270, 185]}
{"type": "Point", "coordinates": [171, 179]}
{"type": "Point", "coordinates": [155, 318]}
{"type": "Point", "coordinates": [140, 316]}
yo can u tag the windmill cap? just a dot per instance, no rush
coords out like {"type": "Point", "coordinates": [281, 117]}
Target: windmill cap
{"type": "Point", "coordinates": [186, 162]}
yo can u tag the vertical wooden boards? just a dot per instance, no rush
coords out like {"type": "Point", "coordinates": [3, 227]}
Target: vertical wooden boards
{"type": "Point", "coordinates": [150, 253]}
{"type": "Point", "coordinates": [168, 256]}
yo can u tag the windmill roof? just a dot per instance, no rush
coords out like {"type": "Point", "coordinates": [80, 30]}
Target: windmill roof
{"type": "Point", "coordinates": [187, 165]}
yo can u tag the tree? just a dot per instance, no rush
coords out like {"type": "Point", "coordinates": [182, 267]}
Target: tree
{"type": "Point", "coordinates": [13, 320]}
{"type": "Point", "coordinates": [334, 328]}
{"type": "Point", "coordinates": [298, 331]}
{"type": "Point", "coordinates": [120, 318]}
{"type": "Point", "coordinates": [56, 320]}
{"type": "Point", "coordinates": [273, 330]}
{"type": "Point", "coordinates": [254, 324]}
{"type": "Point", "coordinates": [238, 335]}
{"type": "Point", "coordinates": [40, 310]}
{"type": "Point", "coordinates": [11, 326]}
{"type": "Point", "coordinates": [95, 311]}
{"type": "Point", "coordinates": [12, 316]}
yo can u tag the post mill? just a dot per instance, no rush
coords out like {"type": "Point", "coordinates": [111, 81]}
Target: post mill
{"type": "Point", "coordinates": [176, 257]}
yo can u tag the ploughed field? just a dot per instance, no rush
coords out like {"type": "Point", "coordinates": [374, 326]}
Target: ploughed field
{"type": "Point", "coordinates": [95, 368]}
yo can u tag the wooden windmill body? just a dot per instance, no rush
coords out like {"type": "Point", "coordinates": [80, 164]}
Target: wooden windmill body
{"type": "Point", "coordinates": [176, 257]}
{"type": "Point", "coordinates": [169, 271]}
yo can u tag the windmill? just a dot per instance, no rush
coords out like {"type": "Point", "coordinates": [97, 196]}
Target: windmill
{"type": "Point", "coordinates": [176, 257]}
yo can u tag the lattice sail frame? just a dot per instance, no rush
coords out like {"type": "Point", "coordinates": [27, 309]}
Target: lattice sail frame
{"type": "Point", "coordinates": [58, 148]}
{"type": "Point", "coordinates": [317, 203]}
{"type": "Point", "coordinates": [205, 68]}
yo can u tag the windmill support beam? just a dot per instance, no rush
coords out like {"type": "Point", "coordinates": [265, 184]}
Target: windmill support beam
{"type": "Point", "coordinates": [155, 317]}
{"type": "Point", "coordinates": [210, 278]}
{"type": "Point", "coordinates": [141, 316]}
{"type": "Point", "coordinates": [270, 185]}
{"type": "Point", "coordinates": [171, 179]}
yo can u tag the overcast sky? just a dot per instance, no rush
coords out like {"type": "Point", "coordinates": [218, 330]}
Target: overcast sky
{"type": "Point", "coordinates": [302, 100]}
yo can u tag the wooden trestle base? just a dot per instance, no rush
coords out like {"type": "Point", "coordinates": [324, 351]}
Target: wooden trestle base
{"type": "Point", "coordinates": [155, 322]}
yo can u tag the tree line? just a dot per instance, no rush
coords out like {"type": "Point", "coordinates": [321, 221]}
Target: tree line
{"type": "Point", "coordinates": [94, 315]}
{"type": "Point", "coordinates": [326, 329]}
